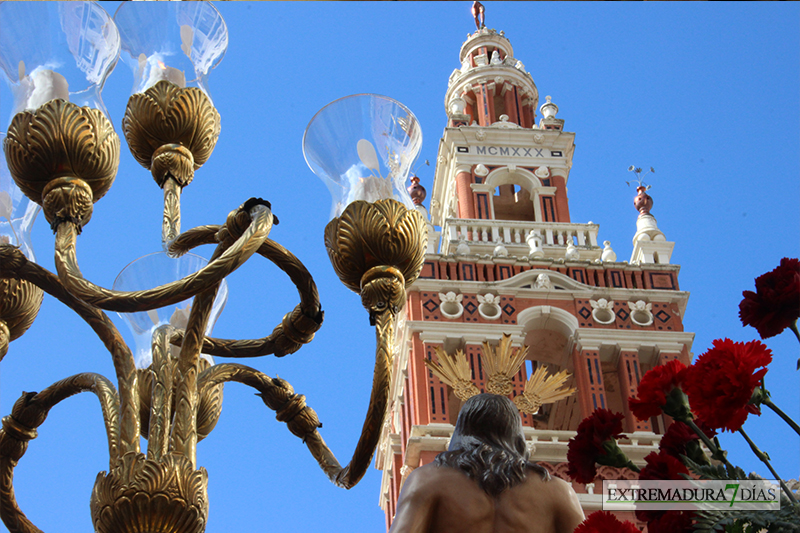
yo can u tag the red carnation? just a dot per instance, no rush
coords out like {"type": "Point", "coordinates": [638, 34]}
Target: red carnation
{"type": "Point", "coordinates": [657, 392]}
{"type": "Point", "coordinates": [775, 305]}
{"type": "Point", "coordinates": [595, 442]}
{"type": "Point", "coordinates": [671, 522]}
{"type": "Point", "coordinates": [661, 465]}
{"type": "Point", "coordinates": [720, 384]}
{"type": "Point", "coordinates": [680, 439]}
{"type": "Point", "coordinates": [605, 522]}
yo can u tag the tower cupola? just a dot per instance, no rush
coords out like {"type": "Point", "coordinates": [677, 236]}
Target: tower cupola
{"type": "Point", "coordinates": [491, 83]}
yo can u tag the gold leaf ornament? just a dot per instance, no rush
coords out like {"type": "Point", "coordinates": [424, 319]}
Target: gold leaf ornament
{"type": "Point", "coordinates": [502, 364]}
{"type": "Point", "coordinates": [166, 114]}
{"type": "Point", "coordinates": [61, 140]}
{"type": "Point", "coordinates": [454, 370]}
{"type": "Point", "coordinates": [542, 389]}
{"type": "Point", "coordinates": [368, 235]}
{"type": "Point", "coordinates": [144, 496]}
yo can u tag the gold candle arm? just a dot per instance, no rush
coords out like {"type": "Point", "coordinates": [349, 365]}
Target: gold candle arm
{"type": "Point", "coordinates": [351, 474]}
{"type": "Point", "coordinates": [156, 390]}
{"type": "Point", "coordinates": [184, 430]}
{"type": "Point", "coordinates": [377, 250]}
{"type": "Point", "coordinates": [19, 428]}
{"type": "Point", "coordinates": [13, 264]}
{"type": "Point", "coordinates": [128, 302]}
{"type": "Point", "coordinates": [161, 397]}
{"type": "Point", "coordinates": [297, 328]}
{"type": "Point", "coordinates": [301, 419]}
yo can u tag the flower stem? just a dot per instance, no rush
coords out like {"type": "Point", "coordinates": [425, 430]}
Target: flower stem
{"type": "Point", "coordinates": [716, 452]}
{"type": "Point", "coordinates": [793, 327]}
{"type": "Point", "coordinates": [765, 459]}
{"type": "Point", "coordinates": [786, 418]}
{"type": "Point", "coordinates": [632, 466]}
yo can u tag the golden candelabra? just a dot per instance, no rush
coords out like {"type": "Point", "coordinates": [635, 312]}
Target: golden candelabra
{"type": "Point", "coordinates": [65, 157]}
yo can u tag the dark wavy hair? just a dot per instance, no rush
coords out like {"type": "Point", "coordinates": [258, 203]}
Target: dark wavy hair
{"type": "Point", "coordinates": [488, 444]}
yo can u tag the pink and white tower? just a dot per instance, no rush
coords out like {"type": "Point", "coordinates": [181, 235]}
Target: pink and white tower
{"type": "Point", "coordinates": [511, 261]}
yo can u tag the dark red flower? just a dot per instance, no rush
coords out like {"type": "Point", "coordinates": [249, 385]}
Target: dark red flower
{"type": "Point", "coordinates": [720, 383]}
{"type": "Point", "coordinates": [676, 438]}
{"type": "Point", "coordinates": [592, 443]}
{"type": "Point", "coordinates": [656, 388]}
{"type": "Point", "coordinates": [661, 465]}
{"type": "Point", "coordinates": [776, 303]}
{"type": "Point", "coordinates": [680, 439]}
{"type": "Point", "coordinates": [605, 522]}
{"type": "Point", "coordinates": [671, 522]}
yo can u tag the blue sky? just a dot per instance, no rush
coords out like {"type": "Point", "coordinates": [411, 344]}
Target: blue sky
{"type": "Point", "coordinates": [707, 93]}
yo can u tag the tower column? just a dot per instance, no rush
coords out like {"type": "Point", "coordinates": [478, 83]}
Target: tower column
{"type": "Point", "coordinates": [589, 380]}
{"type": "Point", "coordinates": [466, 204]}
{"type": "Point", "coordinates": [629, 377]}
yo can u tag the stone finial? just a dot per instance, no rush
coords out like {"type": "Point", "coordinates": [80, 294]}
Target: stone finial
{"type": "Point", "coordinates": [534, 240]}
{"type": "Point", "coordinates": [608, 256]}
{"type": "Point", "coordinates": [548, 109]}
{"type": "Point", "coordinates": [463, 247]}
{"type": "Point", "coordinates": [500, 250]}
{"type": "Point", "coordinates": [572, 253]}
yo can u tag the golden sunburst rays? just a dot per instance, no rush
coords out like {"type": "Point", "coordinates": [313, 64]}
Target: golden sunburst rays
{"type": "Point", "coordinates": [455, 371]}
{"type": "Point", "coordinates": [501, 364]}
{"type": "Point", "coordinates": [543, 389]}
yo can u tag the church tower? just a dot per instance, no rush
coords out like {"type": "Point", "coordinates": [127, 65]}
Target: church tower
{"type": "Point", "coordinates": [512, 262]}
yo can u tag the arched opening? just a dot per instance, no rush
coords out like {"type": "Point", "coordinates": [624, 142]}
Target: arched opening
{"type": "Point", "coordinates": [513, 201]}
{"type": "Point", "coordinates": [547, 333]}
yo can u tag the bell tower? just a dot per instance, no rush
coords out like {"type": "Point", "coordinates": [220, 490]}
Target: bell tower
{"type": "Point", "coordinates": [512, 262]}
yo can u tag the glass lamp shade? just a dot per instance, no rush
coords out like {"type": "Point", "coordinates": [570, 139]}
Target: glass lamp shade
{"type": "Point", "coordinates": [157, 269]}
{"type": "Point", "coordinates": [175, 41]}
{"type": "Point", "coordinates": [54, 50]}
{"type": "Point", "coordinates": [17, 212]}
{"type": "Point", "coordinates": [363, 147]}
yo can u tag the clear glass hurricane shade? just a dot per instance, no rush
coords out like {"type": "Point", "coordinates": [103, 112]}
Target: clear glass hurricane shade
{"type": "Point", "coordinates": [54, 50]}
{"type": "Point", "coordinates": [158, 269]}
{"type": "Point", "coordinates": [174, 41]}
{"type": "Point", "coordinates": [363, 147]}
{"type": "Point", "coordinates": [17, 212]}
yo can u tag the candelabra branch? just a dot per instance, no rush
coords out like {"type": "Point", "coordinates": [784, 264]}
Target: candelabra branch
{"type": "Point", "coordinates": [127, 302]}
{"type": "Point", "coordinates": [184, 430]}
{"type": "Point", "coordinates": [161, 396]}
{"type": "Point", "coordinates": [171, 225]}
{"type": "Point", "coordinates": [19, 428]}
{"type": "Point", "coordinates": [276, 393]}
{"type": "Point", "coordinates": [13, 264]}
{"type": "Point", "coordinates": [297, 327]}
{"type": "Point", "coordinates": [350, 475]}
{"type": "Point", "coordinates": [301, 419]}
{"type": "Point", "coordinates": [156, 390]}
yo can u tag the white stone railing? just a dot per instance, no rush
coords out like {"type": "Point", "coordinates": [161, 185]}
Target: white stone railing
{"type": "Point", "coordinates": [476, 231]}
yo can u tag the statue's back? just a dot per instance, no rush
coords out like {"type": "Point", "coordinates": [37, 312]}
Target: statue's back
{"type": "Point", "coordinates": [443, 500]}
